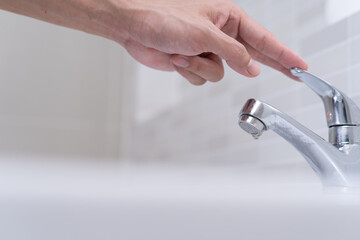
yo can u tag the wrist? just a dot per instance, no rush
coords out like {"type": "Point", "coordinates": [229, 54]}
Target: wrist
{"type": "Point", "coordinates": [111, 19]}
{"type": "Point", "coordinates": [119, 18]}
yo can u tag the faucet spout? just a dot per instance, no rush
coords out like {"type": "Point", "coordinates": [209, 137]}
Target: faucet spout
{"type": "Point", "coordinates": [257, 117]}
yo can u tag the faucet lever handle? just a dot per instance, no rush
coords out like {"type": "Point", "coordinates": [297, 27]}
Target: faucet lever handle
{"type": "Point", "coordinates": [340, 110]}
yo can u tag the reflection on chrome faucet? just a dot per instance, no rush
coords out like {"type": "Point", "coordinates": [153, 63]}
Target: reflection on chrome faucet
{"type": "Point", "coordinates": [336, 162]}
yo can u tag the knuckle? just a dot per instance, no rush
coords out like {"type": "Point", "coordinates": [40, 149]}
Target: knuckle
{"type": "Point", "coordinates": [281, 55]}
{"type": "Point", "coordinates": [241, 49]}
{"type": "Point", "coordinates": [245, 58]}
{"type": "Point", "coordinates": [262, 58]}
{"type": "Point", "coordinates": [198, 37]}
{"type": "Point", "coordinates": [218, 75]}
{"type": "Point", "coordinates": [260, 45]}
{"type": "Point", "coordinates": [195, 65]}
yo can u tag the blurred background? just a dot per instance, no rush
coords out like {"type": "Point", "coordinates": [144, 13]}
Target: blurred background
{"type": "Point", "coordinates": [69, 97]}
{"type": "Point", "coordinates": [68, 94]}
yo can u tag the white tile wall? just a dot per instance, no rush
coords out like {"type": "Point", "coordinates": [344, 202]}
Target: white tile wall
{"type": "Point", "coordinates": [60, 91]}
{"type": "Point", "coordinates": [203, 126]}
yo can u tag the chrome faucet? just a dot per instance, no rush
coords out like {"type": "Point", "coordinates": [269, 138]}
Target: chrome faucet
{"type": "Point", "coordinates": [337, 162]}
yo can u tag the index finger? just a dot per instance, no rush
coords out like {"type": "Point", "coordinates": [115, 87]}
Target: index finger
{"type": "Point", "coordinates": [265, 42]}
{"type": "Point", "coordinates": [231, 50]}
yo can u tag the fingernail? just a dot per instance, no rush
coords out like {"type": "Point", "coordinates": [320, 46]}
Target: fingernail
{"type": "Point", "coordinates": [180, 61]}
{"type": "Point", "coordinates": [253, 68]}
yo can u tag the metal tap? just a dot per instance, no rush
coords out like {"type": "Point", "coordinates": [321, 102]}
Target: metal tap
{"type": "Point", "coordinates": [337, 161]}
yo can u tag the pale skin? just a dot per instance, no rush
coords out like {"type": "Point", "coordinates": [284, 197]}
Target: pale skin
{"type": "Point", "coordinates": [192, 37]}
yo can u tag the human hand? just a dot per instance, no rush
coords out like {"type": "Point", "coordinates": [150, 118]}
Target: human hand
{"type": "Point", "coordinates": [189, 36]}
{"type": "Point", "coordinates": [192, 37]}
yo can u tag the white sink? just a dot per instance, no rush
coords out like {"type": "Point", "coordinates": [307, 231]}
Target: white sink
{"type": "Point", "coordinates": [92, 201]}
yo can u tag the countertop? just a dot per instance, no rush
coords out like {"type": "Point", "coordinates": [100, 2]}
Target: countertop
{"type": "Point", "coordinates": [78, 200]}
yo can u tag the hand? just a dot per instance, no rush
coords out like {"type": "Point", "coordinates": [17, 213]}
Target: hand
{"type": "Point", "coordinates": [189, 36]}
{"type": "Point", "coordinates": [192, 37]}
